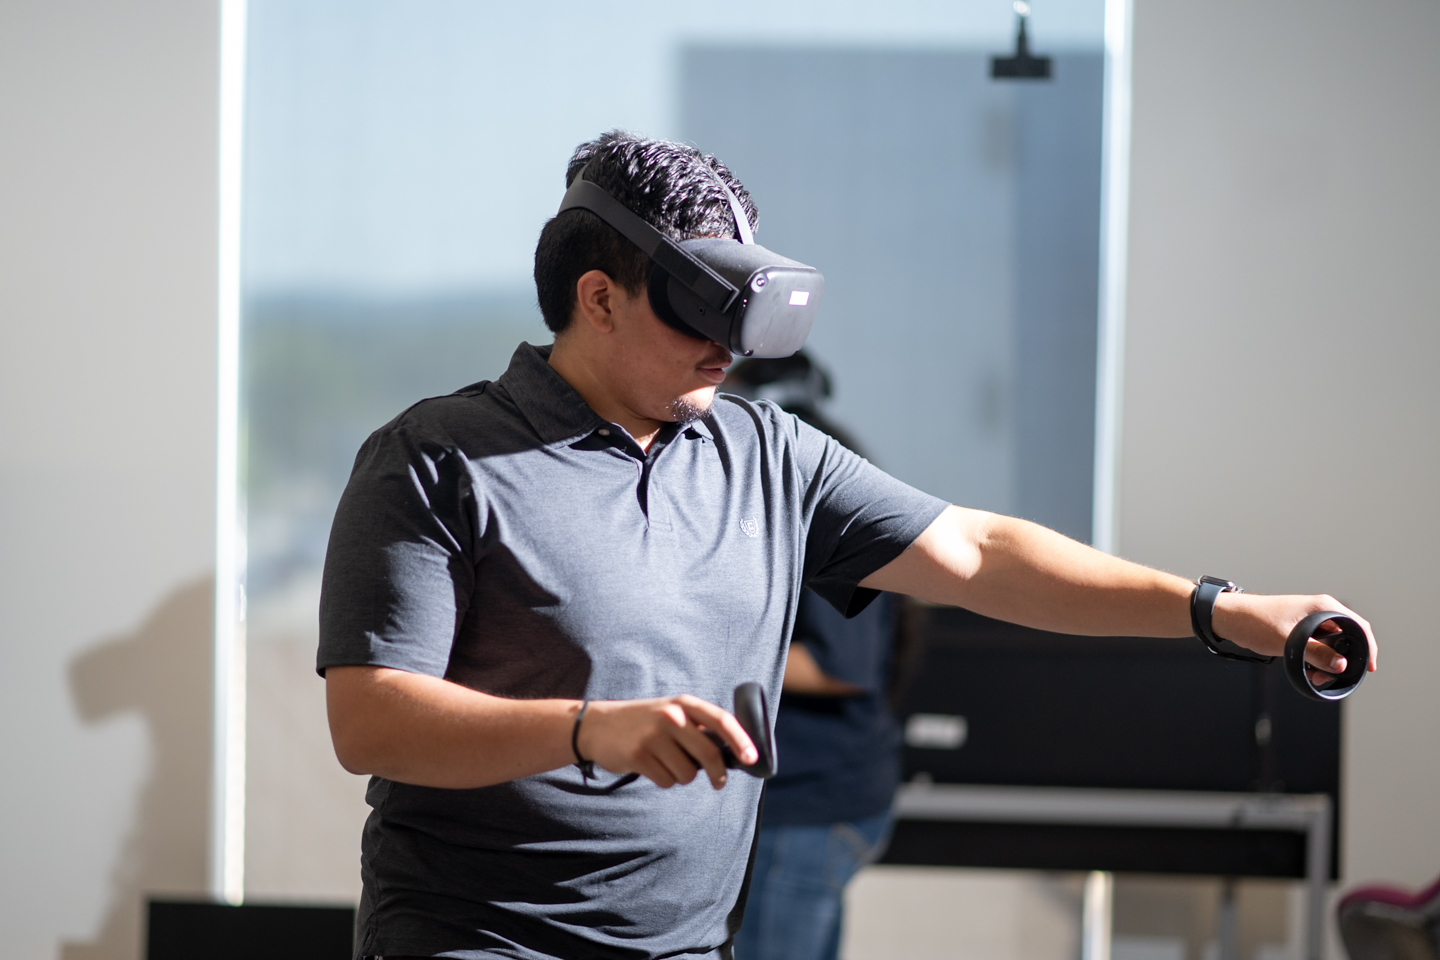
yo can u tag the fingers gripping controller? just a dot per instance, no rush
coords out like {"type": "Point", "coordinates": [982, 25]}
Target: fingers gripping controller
{"type": "Point", "coordinates": [753, 715]}
{"type": "Point", "coordinates": [750, 711]}
{"type": "Point", "coordinates": [1348, 640]}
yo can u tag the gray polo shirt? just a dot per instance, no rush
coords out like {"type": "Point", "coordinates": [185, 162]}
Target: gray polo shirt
{"type": "Point", "coordinates": [509, 539]}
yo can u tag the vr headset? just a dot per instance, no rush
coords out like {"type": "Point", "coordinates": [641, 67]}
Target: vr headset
{"type": "Point", "coordinates": [734, 292]}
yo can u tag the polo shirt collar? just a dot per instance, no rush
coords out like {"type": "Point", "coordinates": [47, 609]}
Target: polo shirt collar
{"type": "Point", "coordinates": [555, 410]}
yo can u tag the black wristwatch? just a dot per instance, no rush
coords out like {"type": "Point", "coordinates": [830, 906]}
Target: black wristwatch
{"type": "Point", "coordinates": [1202, 612]}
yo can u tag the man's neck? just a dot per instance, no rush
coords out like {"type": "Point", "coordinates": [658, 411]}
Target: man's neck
{"type": "Point", "coordinates": [587, 377]}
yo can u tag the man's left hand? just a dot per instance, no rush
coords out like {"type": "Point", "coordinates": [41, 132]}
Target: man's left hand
{"type": "Point", "coordinates": [1263, 624]}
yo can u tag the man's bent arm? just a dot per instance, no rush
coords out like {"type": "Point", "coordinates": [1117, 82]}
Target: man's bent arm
{"type": "Point", "coordinates": [423, 730]}
{"type": "Point", "coordinates": [1022, 572]}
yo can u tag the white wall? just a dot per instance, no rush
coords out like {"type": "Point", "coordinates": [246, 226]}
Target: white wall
{"type": "Point", "coordinates": [1282, 408]}
{"type": "Point", "coordinates": [1282, 402]}
{"type": "Point", "coordinates": [107, 451]}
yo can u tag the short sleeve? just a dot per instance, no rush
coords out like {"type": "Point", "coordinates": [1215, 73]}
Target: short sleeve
{"type": "Point", "coordinates": [861, 518]}
{"type": "Point", "coordinates": [399, 568]}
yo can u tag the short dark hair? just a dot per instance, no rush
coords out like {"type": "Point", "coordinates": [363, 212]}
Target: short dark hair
{"type": "Point", "coordinates": [670, 185]}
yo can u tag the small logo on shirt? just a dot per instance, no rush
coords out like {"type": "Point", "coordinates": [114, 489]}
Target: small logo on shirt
{"type": "Point", "coordinates": [750, 526]}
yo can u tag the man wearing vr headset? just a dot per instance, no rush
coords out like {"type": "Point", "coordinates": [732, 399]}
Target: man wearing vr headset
{"type": "Point", "coordinates": [539, 585]}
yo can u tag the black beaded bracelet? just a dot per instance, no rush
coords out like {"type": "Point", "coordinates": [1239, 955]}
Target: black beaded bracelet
{"type": "Point", "coordinates": [587, 767]}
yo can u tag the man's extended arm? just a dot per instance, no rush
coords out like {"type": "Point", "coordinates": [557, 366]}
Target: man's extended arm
{"type": "Point", "coordinates": [1019, 571]}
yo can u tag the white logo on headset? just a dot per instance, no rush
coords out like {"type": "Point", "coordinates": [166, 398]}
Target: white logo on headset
{"type": "Point", "coordinates": [750, 526]}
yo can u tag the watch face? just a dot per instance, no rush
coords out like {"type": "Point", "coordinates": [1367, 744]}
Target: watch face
{"type": "Point", "coordinates": [1216, 581]}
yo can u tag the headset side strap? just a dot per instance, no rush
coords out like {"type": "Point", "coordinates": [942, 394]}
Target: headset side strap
{"type": "Point", "coordinates": [714, 289]}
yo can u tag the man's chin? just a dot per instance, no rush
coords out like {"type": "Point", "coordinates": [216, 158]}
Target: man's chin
{"type": "Point", "coordinates": [691, 406]}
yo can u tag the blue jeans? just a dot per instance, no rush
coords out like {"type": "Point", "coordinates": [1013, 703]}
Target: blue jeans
{"type": "Point", "coordinates": [797, 890]}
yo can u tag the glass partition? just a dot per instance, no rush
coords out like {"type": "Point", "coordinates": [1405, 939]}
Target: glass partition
{"type": "Point", "coordinates": [401, 158]}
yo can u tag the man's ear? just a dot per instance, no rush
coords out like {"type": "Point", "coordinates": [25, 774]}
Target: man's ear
{"type": "Point", "coordinates": [595, 296]}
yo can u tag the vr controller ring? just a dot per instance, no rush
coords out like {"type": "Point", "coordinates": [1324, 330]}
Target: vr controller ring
{"type": "Point", "coordinates": [1350, 642]}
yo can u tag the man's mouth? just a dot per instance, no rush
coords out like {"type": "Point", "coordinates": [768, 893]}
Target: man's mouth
{"type": "Point", "coordinates": [714, 369]}
{"type": "Point", "coordinates": [715, 375]}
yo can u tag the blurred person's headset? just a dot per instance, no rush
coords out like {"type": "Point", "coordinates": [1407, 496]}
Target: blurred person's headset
{"type": "Point", "coordinates": [734, 292]}
{"type": "Point", "coordinates": [794, 382]}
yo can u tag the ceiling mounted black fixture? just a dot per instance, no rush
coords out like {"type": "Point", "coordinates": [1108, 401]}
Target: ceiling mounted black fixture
{"type": "Point", "coordinates": [1024, 65]}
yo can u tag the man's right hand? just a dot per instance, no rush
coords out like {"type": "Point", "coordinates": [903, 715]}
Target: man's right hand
{"type": "Point", "coordinates": [665, 739]}
{"type": "Point", "coordinates": [430, 732]}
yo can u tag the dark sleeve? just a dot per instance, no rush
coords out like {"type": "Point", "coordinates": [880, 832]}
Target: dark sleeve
{"type": "Point", "coordinates": [860, 518]}
{"type": "Point", "coordinates": [857, 650]}
{"type": "Point", "coordinates": [399, 569]}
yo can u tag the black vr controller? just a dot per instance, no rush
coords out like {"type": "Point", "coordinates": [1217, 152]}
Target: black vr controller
{"type": "Point", "coordinates": [1350, 642]}
{"type": "Point", "coordinates": [755, 718]}
{"type": "Point", "coordinates": [734, 292]}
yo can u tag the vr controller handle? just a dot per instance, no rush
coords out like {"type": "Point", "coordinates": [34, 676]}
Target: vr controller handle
{"type": "Point", "coordinates": [1349, 642]}
{"type": "Point", "coordinates": [751, 711]}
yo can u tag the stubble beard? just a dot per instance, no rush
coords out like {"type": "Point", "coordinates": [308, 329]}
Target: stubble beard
{"type": "Point", "coordinates": [688, 409]}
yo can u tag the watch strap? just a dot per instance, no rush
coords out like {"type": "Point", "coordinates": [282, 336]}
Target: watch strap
{"type": "Point", "coordinates": [1202, 614]}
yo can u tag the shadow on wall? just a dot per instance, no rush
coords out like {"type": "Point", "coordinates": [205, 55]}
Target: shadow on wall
{"type": "Point", "coordinates": [163, 672]}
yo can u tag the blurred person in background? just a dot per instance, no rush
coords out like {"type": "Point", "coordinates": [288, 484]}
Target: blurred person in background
{"type": "Point", "coordinates": [826, 813]}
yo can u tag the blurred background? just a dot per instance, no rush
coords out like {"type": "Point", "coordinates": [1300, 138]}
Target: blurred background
{"type": "Point", "coordinates": [1278, 417]}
